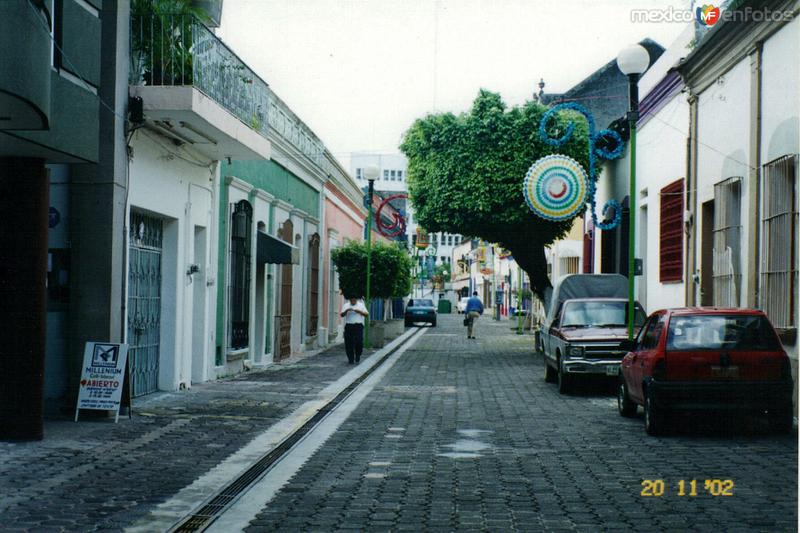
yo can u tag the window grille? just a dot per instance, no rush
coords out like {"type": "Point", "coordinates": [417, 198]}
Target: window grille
{"type": "Point", "coordinates": [239, 289]}
{"type": "Point", "coordinates": [779, 228]}
{"type": "Point", "coordinates": [313, 285]}
{"type": "Point", "coordinates": [671, 233]}
{"type": "Point", "coordinates": [726, 273]}
{"type": "Point", "coordinates": [568, 265]}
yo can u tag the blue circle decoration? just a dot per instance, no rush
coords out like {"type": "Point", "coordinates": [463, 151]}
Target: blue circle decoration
{"type": "Point", "coordinates": [595, 151]}
{"type": "Point", "coordinates": [555, 187]}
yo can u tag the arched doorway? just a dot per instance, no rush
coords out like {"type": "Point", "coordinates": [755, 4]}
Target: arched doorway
{"type": "Point", "coordinates": [283, 320]}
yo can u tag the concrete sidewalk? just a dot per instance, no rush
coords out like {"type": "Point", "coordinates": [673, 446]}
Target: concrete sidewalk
{"type": "Point", "coordinates": [96, 475]}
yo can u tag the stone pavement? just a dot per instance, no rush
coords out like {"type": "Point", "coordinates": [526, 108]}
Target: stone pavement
{"type": "Point", "coordinates": [464, 435]}
{"type": "Point", "coordinates": [95, 475]}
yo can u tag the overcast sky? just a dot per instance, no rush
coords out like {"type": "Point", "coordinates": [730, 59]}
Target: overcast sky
{"type": "Point", "coordinates": [358, 72]}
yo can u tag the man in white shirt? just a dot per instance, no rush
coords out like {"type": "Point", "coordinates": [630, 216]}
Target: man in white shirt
{"type": "Point", "coordinates": [354, 312]}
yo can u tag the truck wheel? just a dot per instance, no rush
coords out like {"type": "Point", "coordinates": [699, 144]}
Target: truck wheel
{"type": "Point", "coordinates": [564, 381]}
{"type": "Point", "coordinates": [625, 405]}
{"type": "Point", "coordinates": [549, 372]}
{"type": "Point", "coordinates": [781, 421]}
{"type": "Point", "coordinates": [653, 416]}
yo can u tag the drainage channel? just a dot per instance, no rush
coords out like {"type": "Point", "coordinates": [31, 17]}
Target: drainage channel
{"type": "Point", "coordinates": [203, 517]}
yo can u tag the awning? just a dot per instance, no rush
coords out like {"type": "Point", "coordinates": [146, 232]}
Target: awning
{"type": "Point", "coordinates": [272, 250]}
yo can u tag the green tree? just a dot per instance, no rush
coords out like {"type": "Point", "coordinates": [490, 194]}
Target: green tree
{"type": "Point", "coordinates": [390, 270]}
{"type": "Point", "coordinates": [466, 172]}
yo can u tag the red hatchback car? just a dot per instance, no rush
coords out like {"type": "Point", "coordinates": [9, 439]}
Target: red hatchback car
{"type": "Point", "coordinates": [706, 359]}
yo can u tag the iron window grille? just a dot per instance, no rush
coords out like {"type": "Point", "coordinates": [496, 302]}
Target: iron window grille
{"type": "Point", "coordinates": [727, 231]}
{"type": "Point", "coordinates": [779, 234]}
{"type": "Point", "coordinates": [239, 289]}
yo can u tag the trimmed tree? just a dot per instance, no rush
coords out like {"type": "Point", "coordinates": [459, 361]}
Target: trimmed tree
{"type": "Point", "coordinates": [465, 175]}
{"type": "Point", "coordinates": [390, 267]}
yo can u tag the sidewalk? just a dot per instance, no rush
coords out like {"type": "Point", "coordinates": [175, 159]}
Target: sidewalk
{"type": "Point", "coordinates": [95, 475]}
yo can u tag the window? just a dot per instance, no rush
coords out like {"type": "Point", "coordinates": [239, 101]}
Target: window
{"type": "Point", "coordinates": [671, 239]}
{"type": "Point", "coordinates": [359, 173]}
{"type": "Point", "coordinates": [239, 288]}
{"type": "Point", "coordinates": [779, 234]}
{"type": "Point", "coordinates": [721, 332]}
{"type": "Point", "coordinates": [449, 240]}
{"type": "Point", "coordinates": [727, 242]}
{"type": "Point", "coordinates": [393, 174]}
{"type": "Point", "coordinates": [385, 175]}
{"type": "Point", "coordinates": [399, 175]}
{"type": "Point", "coordinates": [313, 284]}
{"type": "Point", "coordinates": [568, 265]}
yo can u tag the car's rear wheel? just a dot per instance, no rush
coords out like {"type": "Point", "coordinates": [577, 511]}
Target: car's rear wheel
{"type": "Point", "coordinates": [625, 405]}
{"type": "Point", "coordinates": [549, 372]}
{"type": "Point", "coordinates": [653, 416]}
{"type": "Point", "coordinates": [408, 324]}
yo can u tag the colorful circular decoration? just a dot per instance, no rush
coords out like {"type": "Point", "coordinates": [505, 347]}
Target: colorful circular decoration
{"type": "Point", "coordinates": [555, 187]}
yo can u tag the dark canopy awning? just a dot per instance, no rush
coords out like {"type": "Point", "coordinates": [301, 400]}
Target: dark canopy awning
{"type": "Point", "coordinates": [272, 250]}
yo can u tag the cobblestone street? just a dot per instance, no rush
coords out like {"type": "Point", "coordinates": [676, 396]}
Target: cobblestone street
{"type": "Point", "coordinates": [464, 435]}
{"type": "Point", "coordinates": [458, 435]}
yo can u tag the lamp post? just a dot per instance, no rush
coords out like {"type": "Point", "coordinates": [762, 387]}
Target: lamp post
{"type": "Point", "coordinates": [371, 173]}
{"type": "Point", "coordinates": [632, 60]}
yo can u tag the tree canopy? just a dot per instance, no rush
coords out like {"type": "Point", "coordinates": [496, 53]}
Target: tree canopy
{"type": "Point", "coordinates": [466, 171]}
{"type": "Point", "coordinates": [390, 266]}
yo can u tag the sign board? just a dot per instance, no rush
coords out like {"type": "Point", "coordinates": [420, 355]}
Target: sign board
{"type": "Point", "coordinates": [103, 377]}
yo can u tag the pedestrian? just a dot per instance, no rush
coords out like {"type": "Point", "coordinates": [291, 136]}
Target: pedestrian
{"type": "Point", "coordinates": [473, 310]}
{"type": "Point", "coordinates": [354, 312]}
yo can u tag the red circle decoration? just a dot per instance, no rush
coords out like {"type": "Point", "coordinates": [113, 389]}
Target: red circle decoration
{"type": "Point", "coordinates": [398, 225]}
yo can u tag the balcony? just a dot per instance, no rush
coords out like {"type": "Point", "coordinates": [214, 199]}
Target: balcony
{"type": "Point", "coordinates": [197, 89]}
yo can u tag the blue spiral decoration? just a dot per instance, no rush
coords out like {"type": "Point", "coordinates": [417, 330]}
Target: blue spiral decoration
{"type": "Point", "coordinates": [595, 150]}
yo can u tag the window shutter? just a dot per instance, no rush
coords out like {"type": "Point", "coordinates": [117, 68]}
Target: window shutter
{"type": "Point", "coordinates": [671, 240]}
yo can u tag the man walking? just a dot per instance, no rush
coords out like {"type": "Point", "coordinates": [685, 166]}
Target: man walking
{"type": "Point", "coordinates": [473, 310]}
{"type": "Point", "coordinates": [354, 312]}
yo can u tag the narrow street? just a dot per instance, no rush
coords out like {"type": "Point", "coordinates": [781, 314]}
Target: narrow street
{"type": "Point", "coordinates": [465, 435]}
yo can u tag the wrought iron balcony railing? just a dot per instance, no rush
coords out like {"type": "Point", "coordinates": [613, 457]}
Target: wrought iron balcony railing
{"type": "Point", "coordinates": [178, 50]}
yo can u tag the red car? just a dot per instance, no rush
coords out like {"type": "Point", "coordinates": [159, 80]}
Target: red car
{"type": "Point", "coordinates": [706, 359]}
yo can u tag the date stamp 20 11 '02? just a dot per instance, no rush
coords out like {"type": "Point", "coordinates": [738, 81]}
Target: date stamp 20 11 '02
{"type": "Point", "coordinates": [687, 487]}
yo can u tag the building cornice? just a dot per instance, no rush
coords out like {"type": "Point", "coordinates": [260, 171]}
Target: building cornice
{"type": "Point", "coordinates": [286, 206]}
{"type": "Point", "coordinates": [261, 194]}
{"type": "Point", "coordinates": [236, 183]}
{"type": "Point", "coordinates": [731, 41]}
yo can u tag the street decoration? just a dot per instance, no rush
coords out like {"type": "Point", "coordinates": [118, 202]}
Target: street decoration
{"type": "Point", "coordinates": [486, 271]}
{"type": "Point", "coordinates": [431, 251]}
{"type": "Point", "coordinates": [422, 239]}
{"type": "Point", "coordinates": [548, 188]}
{"type": "Point", "coordinates": [397, 226]}
{"type": "Point", "coordinates": [503, 253]}
{"type": "Point", "coordinates": [555, 187]}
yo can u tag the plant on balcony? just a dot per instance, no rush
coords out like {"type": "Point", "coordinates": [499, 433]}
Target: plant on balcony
{"type": "Point", "coordinates": [162, 41]}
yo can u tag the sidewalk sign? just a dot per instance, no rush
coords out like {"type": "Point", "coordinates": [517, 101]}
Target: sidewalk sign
{"type": "Point", "coordinates": [105, 378]}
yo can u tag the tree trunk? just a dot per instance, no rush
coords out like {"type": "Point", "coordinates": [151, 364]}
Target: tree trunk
{"type": "Point", "coordinates": [530, 257]}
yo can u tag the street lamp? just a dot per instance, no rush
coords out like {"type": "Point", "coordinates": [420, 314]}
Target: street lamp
{"type": "Point", "coordinates": [371, 173]}
{"type": "Point", "coordinates": [632, 60]}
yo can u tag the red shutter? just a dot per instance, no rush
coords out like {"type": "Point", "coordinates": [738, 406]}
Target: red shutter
{"type": "Point", "coordinates": [671, 241]}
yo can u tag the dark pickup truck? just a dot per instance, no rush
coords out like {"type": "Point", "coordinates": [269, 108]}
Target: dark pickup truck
{"type": "Point", "coordinates": [586, 323]}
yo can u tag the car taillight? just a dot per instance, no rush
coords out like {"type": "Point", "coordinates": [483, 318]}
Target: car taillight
{"type": "Point", "coordinates": [660, 369]}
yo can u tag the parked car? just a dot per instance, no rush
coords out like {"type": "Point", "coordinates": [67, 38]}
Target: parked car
{"type": "Point", "coordinates": [585, 325]}
{"type": "Point", "coordinates": [706, 359]}
{"type": "Point", "coordinates": [420, 310]}
{"type": "Point", "coordinates": [461, 306]}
